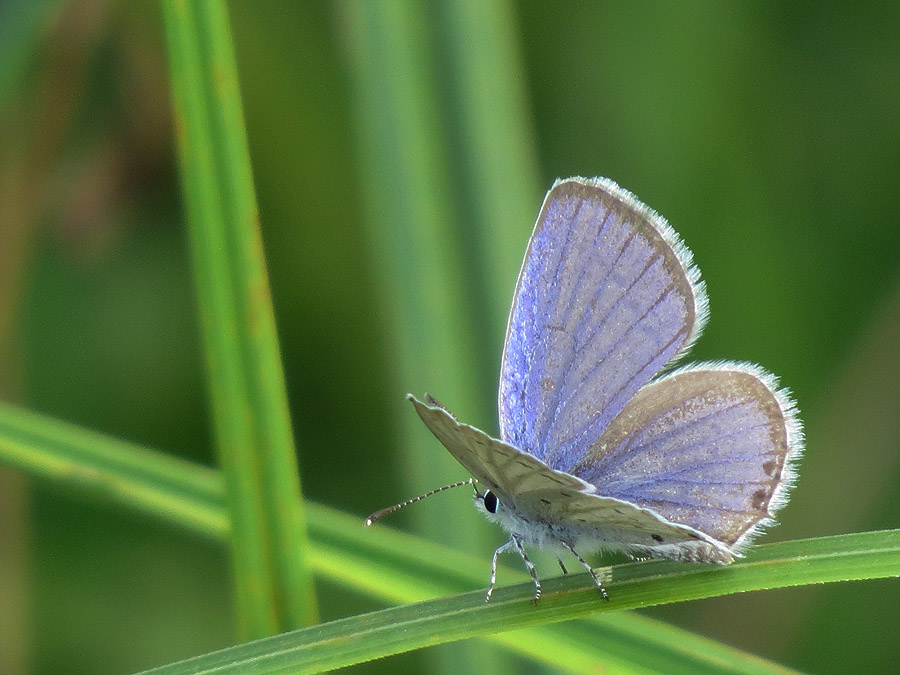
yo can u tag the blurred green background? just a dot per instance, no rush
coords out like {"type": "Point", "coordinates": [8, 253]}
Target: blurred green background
{"type": "Point", "coordinates": [768, 134]}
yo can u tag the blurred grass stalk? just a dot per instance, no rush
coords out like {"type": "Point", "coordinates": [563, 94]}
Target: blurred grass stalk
{"type": "Point", "coordinates": [437, 276]}
{"type": "Point", "coordinates": [34, 122]}
{"type": "Point", "coordinates": [272, 576]}
{"type": "Point", "coordinates": [491, 140]}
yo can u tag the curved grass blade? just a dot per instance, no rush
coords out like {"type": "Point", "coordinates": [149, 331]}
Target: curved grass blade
{"type": "Point", "coordinates": [361, 638]}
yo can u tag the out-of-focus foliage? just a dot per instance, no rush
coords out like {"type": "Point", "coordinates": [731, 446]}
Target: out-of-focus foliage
{"type": "Point", "coordinates": [767, 133]}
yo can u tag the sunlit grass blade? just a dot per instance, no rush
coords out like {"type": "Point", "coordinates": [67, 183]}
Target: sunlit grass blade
{"type": "Point", "coordinates": [400, 568]}
{"type": "Point", "coordinates": [382, 563]}
{"type": "Point", "coordinates": [273, 582]}
{"type": "Point", "coordinates": [361, 638]}
{"type": "Point", "coordinates": [173, 490]}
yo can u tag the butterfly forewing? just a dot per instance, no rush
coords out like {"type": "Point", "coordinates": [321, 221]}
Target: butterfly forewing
{"type": "Point", "coordinates": [605, 299]}
{"type": "Point", "coordinates": [495, 464]}
{"type": "Point", "coordinates": [710, 446]}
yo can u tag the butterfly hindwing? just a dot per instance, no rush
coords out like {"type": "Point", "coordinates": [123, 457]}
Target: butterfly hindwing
{"type": "Point", "coordinates": [710, 446]}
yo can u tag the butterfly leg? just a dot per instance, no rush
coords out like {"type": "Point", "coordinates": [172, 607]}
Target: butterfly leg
{"type": "Point", "coordinates": [517, 540]}
{"type": "Point", "coordinates": [562, 566]}
{"type": "Point", "coordinates": [508, 545]}
{"type": "Point", "coordinates": [590, 571]}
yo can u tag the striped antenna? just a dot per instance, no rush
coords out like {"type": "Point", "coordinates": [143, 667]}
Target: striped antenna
{"type": "Point", "coordinates": [378, 515]}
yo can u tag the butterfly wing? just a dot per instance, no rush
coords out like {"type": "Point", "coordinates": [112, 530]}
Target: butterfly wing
{"type": "Point", "coordinates": [544, 495]}
{"type": "Point", "coordinates": [497, 465]}
{"type": "Point", "coordinates": [606, 297]}
{"type": "Point", "coordinates": [711, 446]}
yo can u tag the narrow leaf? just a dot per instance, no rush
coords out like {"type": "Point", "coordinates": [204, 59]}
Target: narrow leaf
{"type": "Point", "coordinates": [273, 581]}
{"type": "Point", "coordinates": [357, 639]}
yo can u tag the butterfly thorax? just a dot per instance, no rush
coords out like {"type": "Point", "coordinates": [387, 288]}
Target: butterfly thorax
{"type": "Point", "coordinates": [550, 536]}
{"type": "Point", "coordinates": [530, 527]}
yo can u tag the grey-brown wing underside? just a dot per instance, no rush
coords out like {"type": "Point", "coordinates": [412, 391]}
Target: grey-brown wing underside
{"type": "Point", "coordinates": [537, 491]}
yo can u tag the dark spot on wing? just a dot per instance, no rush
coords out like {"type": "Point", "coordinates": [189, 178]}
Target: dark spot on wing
{"type": "Point", "coordinates": [758, 501]}
{"type": "Point", "coordinates": [769, 467]}
{"type": "Point", "coordinates": [657, 538]}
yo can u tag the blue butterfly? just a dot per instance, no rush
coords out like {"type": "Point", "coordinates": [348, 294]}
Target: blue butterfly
{"type": "Point", "coordinates": [602, 445]}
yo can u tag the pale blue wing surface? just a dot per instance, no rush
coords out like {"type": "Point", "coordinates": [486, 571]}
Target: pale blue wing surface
{"type": "Point", "coordinates": [606, 297]}
{"type": "Point", "coordinates": [710, 446]}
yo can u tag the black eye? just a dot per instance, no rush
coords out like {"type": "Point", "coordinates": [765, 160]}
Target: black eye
{"type": "Point", "coordinates": [490, 502]}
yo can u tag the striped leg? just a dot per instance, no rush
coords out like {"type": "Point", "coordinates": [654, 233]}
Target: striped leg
{"type": "Point", "coordinates": [590, 571]}
{"type": "Point", "coordinates": [508, 545]}
{"type": "Point", "coordinates": [517, 540]}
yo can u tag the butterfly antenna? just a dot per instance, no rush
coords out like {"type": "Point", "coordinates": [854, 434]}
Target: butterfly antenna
{"type": "Point", "coordinates": [378, 515]}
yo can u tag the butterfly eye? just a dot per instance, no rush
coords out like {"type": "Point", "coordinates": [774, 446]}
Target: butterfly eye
{"type": "Point", "coordinates": [490, 502]}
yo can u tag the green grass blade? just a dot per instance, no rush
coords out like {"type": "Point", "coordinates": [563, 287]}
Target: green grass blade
{"type": "Point", "coordinates": [273, 580]}
{"type": "Point", "coordinates": [401, 568]}
{"type": "Point", "coordinates": [417, 253]}
{"type": "Point", "coordinates": [426, 221]}
{"type": "Point", "coordinates": [382, 563]}
{"type": "Point", "coordinates": [358, 639]}
{"type": "Point", "coordinates": [168, 488]}
{"type": "Point", "coordinates": [412, 223]}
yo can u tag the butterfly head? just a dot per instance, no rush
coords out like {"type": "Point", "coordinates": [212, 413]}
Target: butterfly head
{"type": "Point", "coordinates": [492, 506]}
